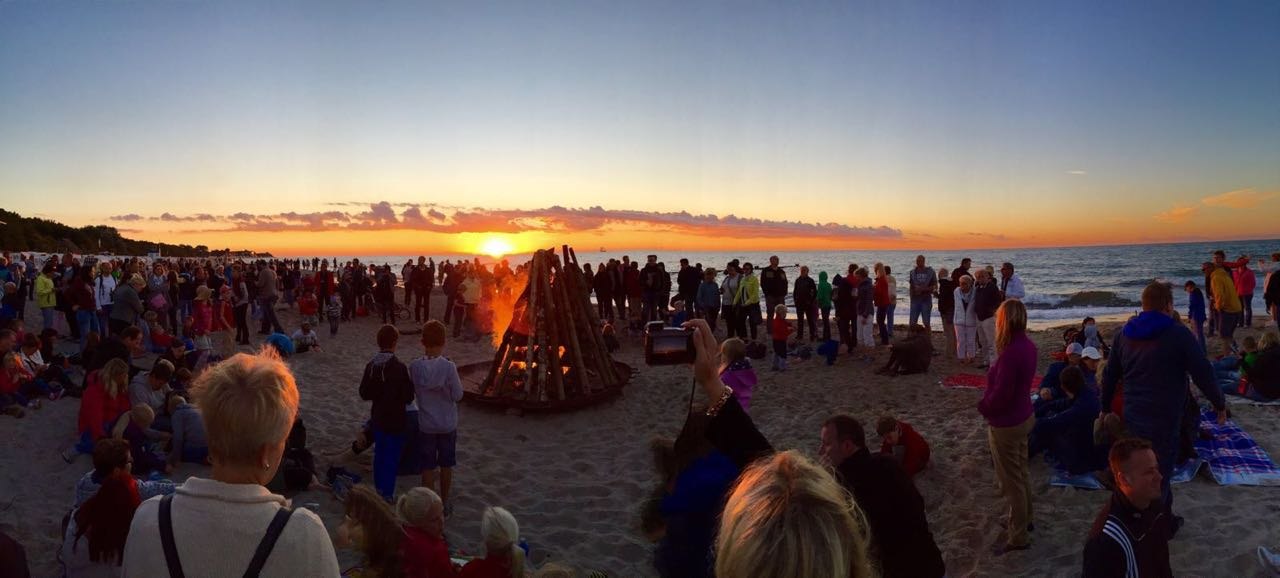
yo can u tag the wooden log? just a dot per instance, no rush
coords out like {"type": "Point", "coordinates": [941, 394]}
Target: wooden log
{"type": "Point", "coordinates": [594, 343]}
{"type": "Point", "coordinates": [499, 356]}
{"type": "Point", "coordinates": [573, 344]}
{"type": "Point", "coordinates": [534, 307]}
{"type": "Point", "coordinates": [541, 375]}
{"type": "Point", "coordinates": [553, 331]}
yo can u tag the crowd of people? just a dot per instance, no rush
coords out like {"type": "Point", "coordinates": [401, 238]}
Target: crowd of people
{"type": "Point", "coordinates": [853, 512]}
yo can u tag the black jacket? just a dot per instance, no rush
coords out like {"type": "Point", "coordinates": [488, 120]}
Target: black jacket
{"type": "Point", "coordinates": [894, 509]}
{"type": "Point", "coordinates": [1124, 537]}
{"type": "Point", "coordinates": [773, 282]}
{"type": "Point", "coordinates": [386, 383]}
{"type": "Point", "coordinates": [651, 278]}
{"type": "Point", "coordinates": [687, 280]}
{"type": "Point", "coordinates": [806, 292]}
{"type": "Point", "coordinates": [987, 300]}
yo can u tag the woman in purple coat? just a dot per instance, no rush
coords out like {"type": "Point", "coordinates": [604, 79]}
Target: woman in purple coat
{"type": "Point", "coordinates": [1006, 404]}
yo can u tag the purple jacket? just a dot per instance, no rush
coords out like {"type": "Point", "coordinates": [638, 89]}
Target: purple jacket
{"type": "Point", "coordinates": [742, 379]}
{"type": "Point", "coordinates": [1007, 399]}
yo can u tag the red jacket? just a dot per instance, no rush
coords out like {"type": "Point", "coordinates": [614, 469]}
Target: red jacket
{"type": "Point", "coordinates": [881, 295]}
{"type": "Point", "coordinates": [915, 454]}
{"type": "Point", "coordinates": [780, 330]}
{"type": "Point", "coordinates": [97, 409]}
{"type": "Point", "coordinates": [11, 383]}
{"type": "Point", "coordinates": [425, 556]}
{"type": "Point", "coordinates": [308, 306]}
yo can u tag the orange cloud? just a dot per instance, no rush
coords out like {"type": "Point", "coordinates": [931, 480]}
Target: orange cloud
{"type": "Point", "coordinates": [1239, 199]}
{"type": "Point", "coordinates": [1178, 214]}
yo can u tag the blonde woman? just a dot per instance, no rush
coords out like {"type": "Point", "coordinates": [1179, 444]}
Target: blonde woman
{"type": "Point", "coordinates": [503, 555]}
{"type": "Point", "coordinates": [821, 535]}
{"type": "Point", "coordinates": [1007, 407]}
{"type": "Point", "coordinates": [106, 397]}
{"type": "Point", "coordinates": [231, 525]}
{"type": "Point", "coordinates": [965, 320]}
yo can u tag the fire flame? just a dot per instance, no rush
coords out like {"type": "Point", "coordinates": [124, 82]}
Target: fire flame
{"type": "Point", "coordinates": [503, 304]}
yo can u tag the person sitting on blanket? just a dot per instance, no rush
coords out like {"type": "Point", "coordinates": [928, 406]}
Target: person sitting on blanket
{"type": "Point", "coordinates": [910, 355]}
{"type": "Point", "coordinates": [1049, 389]}
{"type": "Point", "coordinates": [1228, 370]}
{"type": "Point", "coordinates": [1130, 536]}
{"type": "Point", "coordinates": [1264, 374]}
{"type": "Point", "coordinates": [915, 451]}
{"type": "Point", "coordinates": [1067, 434]}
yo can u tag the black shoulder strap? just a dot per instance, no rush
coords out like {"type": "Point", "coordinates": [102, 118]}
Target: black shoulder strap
{"type": "Point", "coordinates": [268, 542]}
{"type": "Point", "coordinates": [166, 539]}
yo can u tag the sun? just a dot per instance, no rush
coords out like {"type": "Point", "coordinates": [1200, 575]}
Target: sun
{"type": "Point", "coordinates": [495, 247]}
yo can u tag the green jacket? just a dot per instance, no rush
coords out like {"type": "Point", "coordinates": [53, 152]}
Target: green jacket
{"type": "Point", "coordinates": [748, 291]}
{"type": "Point", "coordinates": [45, 297]}
{"type": "Point", "coordinates": [824, 291]}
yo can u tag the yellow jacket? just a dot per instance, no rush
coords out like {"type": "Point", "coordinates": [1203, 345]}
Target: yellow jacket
{"type": "Point", "coordinates": [45, 297]}
{"type": "Point", "coordinates": [1224, 292]}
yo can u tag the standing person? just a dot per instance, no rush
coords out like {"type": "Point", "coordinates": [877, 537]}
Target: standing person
{"type": "Point", "coordinates": [946, 307]}
{"type": "Point", "coordinates": [881, 299]}
{"type": "Point", "coordinates": [748, 301]}
{"type": "Point", "coordinates": [1271, 288]}
{"type": "Point", "coordinates": [805, 297]}
{"type": "Point", "coordinates": [80, 292]}
{"type": "Point", "coordinates": [1211, 328]}
{"type": "Point", "coordinates": [965, 320]}
{"type": "Point", "coordinates": [1246, 283]}
{"type": "Point", "coordinates": [1130, 536]}
{"type": "Point", "coordinates": [602, 284]}
{"type": "Point", "coordinates": [651, 284]}
{"type": "Point", "coordinates": [779, 331]}
{"type": "Point", "coordinates": [1006, 406]}
{"type": "Point", "coordinates": [468, 299]}
{"type": "Point", "coordinates": [618, 284]}
{"type": "Point", "coordinates": [267, 297]}
{"type": "Point", "coordinates": [847, 308]}
{"type": "Point", "coordinates": [1195, 313]}
{"type": "Point", "coordinates": [893, 298]}
{"type": "Point", "coordinates": [773, 283]}
{"type": "Point", "coordinates": [865, 308]}
{"type": "Point", "coordinates": [437, 390]}
{"type": "Point", "coordinates": [922, 284]}
{"type": "Point", "coordinates": [127, 307]}
{"type": "Point", "coordinates": [824, 304]}
{"type": "Point", "coordinates": [728, 301]}
{"type": "Point", "coordinates": [324, 282]}
{"type": "Point", "coordinates": [46, 296]}
{"type": "Point", "coordinates": [688, 279]}
{"type": "Point", "coordinates": [1152, 356]}
{"type": "Point", "coordinates": [406, 276]}
{"type": "Point", "coordinates": [1011, 284]}
{"type": "Point", "coordinates": [453, 278]}
{"type": "Point", "coordinates": [1227, 301]}
{"type": "Point", "coordinates": [986, 301]}
{"type": "Point", "coordinates": [962, 270]}
{"type": "Point", "coordinates": [423, 282]}
{"type": "Point", "coordinates": [387, 384]}
{"type": "Point", "coordinates": [384, 294]}
{"type": "Point", "coordinates": [240, 306]}
{"type": "Point", "coordinates": [104, 287]}
{"type": "Point", "coordinates": [709, 297]}
{"type": "Point", "coordinates": [249, 404]}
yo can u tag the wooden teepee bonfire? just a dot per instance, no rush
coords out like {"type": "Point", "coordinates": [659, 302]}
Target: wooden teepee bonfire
{"type": "Point", "coordinates": [552, 354]}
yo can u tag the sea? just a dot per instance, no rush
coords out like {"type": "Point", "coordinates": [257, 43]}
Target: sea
{"type": "Point", "coordinates": [1064, 285]}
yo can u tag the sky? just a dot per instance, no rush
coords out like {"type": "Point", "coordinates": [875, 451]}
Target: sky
{"type": "Point", "coordinates": [403, 127]}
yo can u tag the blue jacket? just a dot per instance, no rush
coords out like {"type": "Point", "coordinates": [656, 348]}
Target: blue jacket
{"type": "Point", "coordinates": [866, 303]}
{"type": "Point", "coordinates": [1195, 311]}
{"type": "Point", "coordinates": [1152, 356]}
{"type": "Point", "coordinates": [708, 296]}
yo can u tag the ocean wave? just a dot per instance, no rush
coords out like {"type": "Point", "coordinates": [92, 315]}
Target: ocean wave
{"type": "Point", "coordinates": [1081, 299]}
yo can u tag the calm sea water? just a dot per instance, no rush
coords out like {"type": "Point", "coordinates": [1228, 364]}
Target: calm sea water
{"type": "Point", "coordinates": [1051, 276]}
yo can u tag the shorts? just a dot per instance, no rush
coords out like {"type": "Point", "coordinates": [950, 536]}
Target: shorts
{"type": "Point", "coordinates": [1227, 323]}
{"type": "Point", "coordinates": [438, 450]}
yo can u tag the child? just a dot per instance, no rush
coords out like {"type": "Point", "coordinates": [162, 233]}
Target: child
{"type": "Point", "coordinates": [182, 378]}
{"type": "Point", "coordinates": [610, 338]}
{"type": "Point", "coordinates": [386, 383]}
{"type": "Point", "coordinates": [780, 330]}
{"type": "Point", "coordinates": [1227, 371]}
{"type": "Point", "coordinates": [201, 322]}
{"type": "Point", "coordinates": [309, 308]}
{"type": "Point", "coordinates": [19, 384]}
{"type": "Point", "coordinates": [678, 315]}
{"type": "Point", "coordinates": [370, 527]}
{"type": "Point", "coordinates": [425, 552]}
{"type": "Point", "coordinates": [223, 324]}
{"type": "Point", "coordinates": [438, 391]}
{"type": "Point", "coordinates": [915, 451]}
{"type": "Point", "coordinates": [335, 314]}
{"type": "Point", "coordinates": [134, 426]}
{"type": "Point", "coordinates": [189, 442]}
{"type": "Point", "coordinates": [736, 371]}
{"type": "Point", "coordinates": [305, 339]}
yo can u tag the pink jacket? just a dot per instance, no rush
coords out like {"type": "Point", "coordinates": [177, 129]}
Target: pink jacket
{"type": "Point", "coordinates": [1246, 281]}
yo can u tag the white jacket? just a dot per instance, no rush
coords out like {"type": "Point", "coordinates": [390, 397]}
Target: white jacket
{"type": "Point", "coordinates": [966, 312]}
{"type": "Point", "coordinates": [103, 287]}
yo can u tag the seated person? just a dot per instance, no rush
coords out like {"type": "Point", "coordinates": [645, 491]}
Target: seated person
{"type": "Point", "coordinates": [305, 339]}
{"type": "Point", "coordinates": [610, 338]}
{"type": "Point", "coordinates": [915, 451]}
{"type": "Point", "coordinates": [134, 427]}
{"type": "Point", "coordinates": [19, 385]}
{"type": "Point", "coordinates": [1264, 373]}
{"type": "Point", "coordinates": [189, 443]}
{"type": "Point", "coordinates": [502, 554]}
{"type": "Point", "coordinates": [111, 456]}
{"type": "Point", "coordinates": [1049, 389]}
{"type": "Point", "coordinates": [33, 359]}
{"type": "Point", "coordinates": [1091, 336]}
{"type": "Point", "coordinates": [1228, 370]}
{"type": "Point", "coordinates": [424, 551]}
{"type": "Point", "coordinates": [1130, 536]}
{"type": "Point", "coordinates": [182, 378]}
{"type": "Point", "coordinates": [151, 388]}
{"type": "Point", "coordinates": [678, 314]}
{"type": "Point", "coordinates": [371, 527]}
{"type": "Point", "coordinates": [910, 355]}
{"type": "Point", "coordinates": [1067, 434]}
{"type": "Point", "coordinates": [179, 354]}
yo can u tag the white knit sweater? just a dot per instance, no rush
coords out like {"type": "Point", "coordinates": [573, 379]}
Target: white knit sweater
{"type": "Point", "coordinates": [217, 527]}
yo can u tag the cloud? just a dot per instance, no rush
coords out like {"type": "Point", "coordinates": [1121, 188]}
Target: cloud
{"type": "Point", "coordinates": [554, 219]}
{"type": "Point", "coordinates": [1077, 172]}
{"type": "Point", "coordinates": [1239, 199]}
{"type": "Point", "coordinates": [127, 218]}
{"type": "Point", "coordinates": [1178, 214]}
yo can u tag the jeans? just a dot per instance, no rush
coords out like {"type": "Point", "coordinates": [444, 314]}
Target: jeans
{"type": "Point", "coordinates": [269, 320]}
{"type": "Point", "coordinates": [881, 314]}
{"type": "Point", "coordinates": [241, 314]}
{"type": "Point", "coordinates": [810, 312]}
{"type": "Point", "coordinates": [333, 326]}
{"type": "Point", "coordinates": [730, 314]}
{"type": "Point", "coordinates": [921, 308]}
{"type": "Point", "coordinates": [1197, 329]}
{"type": "Point", "coordinates": [422, 304]}
{"type": "Point", "coordinates": [649, 310]}
{"type": "Point", "coordinates": [104, 317]}
{"type": "Point", "coordinates": [711, 314]}
{"type": "Point", "coordinates": [88, 321]}
{"type": "Point", "coordinates": [47, 314]}
{"type": "Point", "coordinates": [889, 318]}
{"type": "Point", "coordinates": [386, 461]}
{"type": "Point", "coordinates": [1247, 302]}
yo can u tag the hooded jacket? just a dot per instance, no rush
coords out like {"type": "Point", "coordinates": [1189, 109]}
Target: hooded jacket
{"type": "Point", "coordinates": [386, 383]}
{"type": "Point", "coordinates": [1152, 355]}
{"type": "Point", "coordinates": [1126, 541]}
{"type": "Point", "coordinates": [806, 292]}
{"type": "Point", "coordinates": [824, 291]}
{"type": "Point", "coordinates": [748, 290]}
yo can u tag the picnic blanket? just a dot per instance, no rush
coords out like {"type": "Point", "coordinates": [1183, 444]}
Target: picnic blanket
{"type": "Point", "coordinates": [1234, 459]}
{"type": "Point", "coordinates": [976, 381]}
{"type": "Point", "coordinates": [1085, 481]}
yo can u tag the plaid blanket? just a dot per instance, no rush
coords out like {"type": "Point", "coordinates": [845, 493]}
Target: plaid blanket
{"type": "Point", "coordinates": [1232, 455]}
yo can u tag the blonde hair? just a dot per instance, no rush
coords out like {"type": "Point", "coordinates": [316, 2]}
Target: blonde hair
{"type": "Point", "coordinates": [248, 401]}
{"type": "Point", "coordinates": [1011, 320]}
{"type": "Point", "coordinates": [787, 516]}
{"type": "Point", "coordinates": [731, 350]}
{"type": "Point", "coordinates": [415, 504]}
{"type": "Point", "coordinates": [1269, 339]}
{"type": "Point", "coordinates": [780, 310]}
{"type": "Point", "coordinates": [114, 376]}
{"type": "Point", "coordinates": [501, 533]}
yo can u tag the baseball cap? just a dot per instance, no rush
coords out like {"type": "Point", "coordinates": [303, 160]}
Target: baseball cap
{"type": "Point", "coordinates": [1091, 353]}
{"type": "Point", "coordinates": [1075, 349]}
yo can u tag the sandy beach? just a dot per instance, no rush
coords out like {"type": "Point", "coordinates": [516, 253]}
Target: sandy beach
{"type": "Point", "coordinates": [575, 481]}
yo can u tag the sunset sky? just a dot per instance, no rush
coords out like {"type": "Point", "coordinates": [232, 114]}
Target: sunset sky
{"type": "Point", "coordinates": [398, 128]}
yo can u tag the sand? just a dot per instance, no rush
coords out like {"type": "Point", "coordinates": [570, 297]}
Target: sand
{"type": "Point", "coordinates": [574, 481]}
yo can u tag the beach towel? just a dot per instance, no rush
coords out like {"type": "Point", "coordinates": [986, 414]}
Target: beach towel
{"type": "Point", "coordinates": [1085, 481]}
{"type": "Point", "coordinates": [976, 381]}
{"type": "Point", "coordinates": [1234, 458]}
